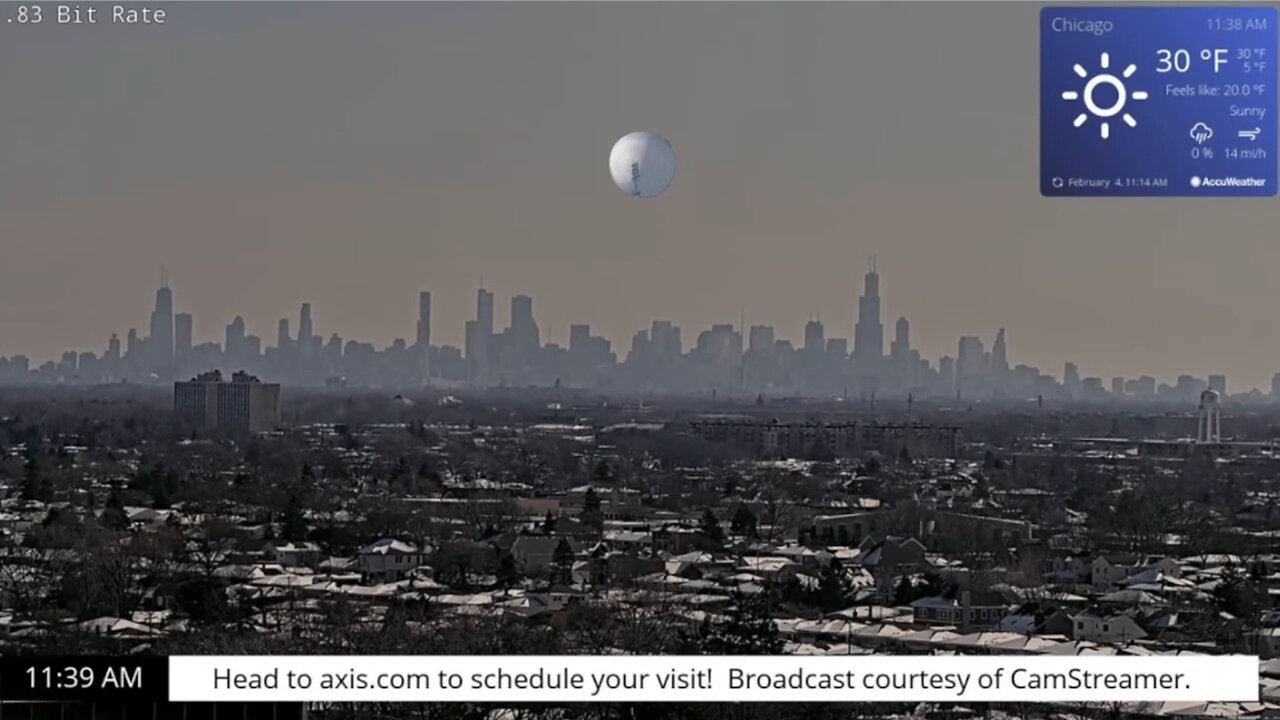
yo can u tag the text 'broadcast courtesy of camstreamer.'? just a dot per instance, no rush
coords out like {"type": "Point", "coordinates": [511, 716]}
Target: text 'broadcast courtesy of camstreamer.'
{"type": "Point", "coordinates": [823, 411]}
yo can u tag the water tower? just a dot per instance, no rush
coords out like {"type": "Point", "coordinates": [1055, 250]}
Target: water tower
{"type": "Point", "coordinates": [1210, 427]}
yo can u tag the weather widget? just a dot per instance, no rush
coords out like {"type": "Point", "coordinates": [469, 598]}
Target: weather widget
{"type": "Point", "coordinates": [1166, 101]}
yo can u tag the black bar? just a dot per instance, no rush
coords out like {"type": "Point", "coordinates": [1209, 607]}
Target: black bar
{"type": "Point", "coordinates": [85, 678]}
{"type": "Point", "coordinates": [38, 710]}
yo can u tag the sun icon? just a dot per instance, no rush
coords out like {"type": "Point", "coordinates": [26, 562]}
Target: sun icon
{"type": "Point", "coordinates": [1104, 78]}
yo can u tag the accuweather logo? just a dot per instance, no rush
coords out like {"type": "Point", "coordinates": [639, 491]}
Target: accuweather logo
{"type": "Point", "coordinates": [1227, 182]}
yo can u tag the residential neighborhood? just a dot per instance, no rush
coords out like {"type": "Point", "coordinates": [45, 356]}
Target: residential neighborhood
{"type": "Point", "coordinates": [448, 532]}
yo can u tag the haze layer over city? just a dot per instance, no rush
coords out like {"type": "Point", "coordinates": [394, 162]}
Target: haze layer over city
{"type": "Point", "coordinates": [351, 159]}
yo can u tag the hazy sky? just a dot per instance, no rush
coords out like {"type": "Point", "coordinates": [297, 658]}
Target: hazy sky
{"type": "Point", "coordinates": [350, 155]}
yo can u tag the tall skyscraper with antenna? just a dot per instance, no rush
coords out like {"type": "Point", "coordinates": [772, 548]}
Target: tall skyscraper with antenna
{"type": "Point", "coordinates": [868, 334]}
{"type": "Point", "coordinates": [160, 343]}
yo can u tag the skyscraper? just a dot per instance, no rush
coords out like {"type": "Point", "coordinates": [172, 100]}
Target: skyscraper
{"type": "Point", "coordinates": [999, 353]}
{"type": "Point", "coordinates": [423, 338]}
{"type": "Point", "coordinates": [480, 338]}
{"type": "Point", "coordinates": [868, 333]}
{"type": "Point", "coordinates": [1218, 384]}
{"type": "Point", "coordinates": [160, 343]}
{"type": "Point", "coordinates": [666, 341]}
{"type": "Point", "coordinates": [760, 338]}
{"type": "Point", "coordinates": [815, 337]}
{"type": "Point", "coordinates": [999, 375]}
{"type": "Point", "coordinates": [234, 345]}
{"type": "Point", "coordinates": [283, 339]}
{"type": "Point", "coordinates": [305, 328]}
{"type": "Point", "coordinates": [900, 354]}
{"type": "Point", "coordinates": [1071, 379]}
{"type": "Point", "coordinates": [525, 338]}
{"type": "Point", "coordinates": [947, 374]}
{"type": "Point", "coordinates": [969, 366]}
{"type": "Point", "coordinates": [900, 349]}
{"type": "Point", "coordinates": [182, 335]}
{"type": "Point", "coordinates": [484, 310]}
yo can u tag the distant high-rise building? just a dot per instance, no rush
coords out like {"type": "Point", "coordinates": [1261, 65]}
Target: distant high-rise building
{"type": "Point", "coordinates": [160, 343]}
{"type": "Point", "coordinates": [470, 350]}
{"type": "Point", "coordinates": [195, 402]}
{"type": "Point", "coordinates": [479, 338]}
{"type": "Point", "coordinates": [579, 336]}
{"type": "Point", "coordinates": [1190, 387]}
{"type": "Point", "coordinates": [868, 333]}
{"type": "Point", "coordinates": [900, 348]}
{"type": "Point", "coordinates": [815, 337]}
{"type": "Point", "coordinates": [182, 335]}
{"type": "Point", "coordinates": [244, 404]}
{"type": "Point", "coordinates": [999, 370]}
{"type": "Point", "coordinates": [305, 328]}
{"type": "Point", "coordinates": [113, 348]}
{"type": "Point", "coordinates": [1275, 386]}
{"type": "Point", "coordinates": [1071, 379]}
{"type": "Point", "coordinates": [423, 338]}
{"type": "Point", "coordinates": [1145, 386]}
{"type": "Point", "coordinates": [525, 336]}
{"type": "Point", "coordinates": [760, 339]}
{"type": "Point", "coordinates": [970, 366]}
{"type": "Point", "coordinates": [234, 347]}
{"type": "Point", "coordinates": [1117, 386]}
{"type": "Point", "coordinates": [484, 310]}
{"type": "Point", "coordinates": [947, 374]}
{"type": "Point", "coordinates": [665, 337]}
{"type": "Point", "coordinates": [283, 339]}
{"type": "Point", "coordinates": [639, 347]}
{"type": "Point", "coordinates": [1218, 384]}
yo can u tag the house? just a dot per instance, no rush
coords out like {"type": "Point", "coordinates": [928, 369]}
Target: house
{"type": "Point", "coordinates": [889, 559]}
{"type": "Point", "coordinates": [548, 599]}
{"type": "Point", "coordinates": [1102, 627]}
{"type": "Point", "coordinates": [772, 569]}
{"type": "Point", "coordinates": [628, 540]}
{"type": "Point", "coordinates": [1035, 618]}
{"type": "Point", "coordinates": [389, 560]}
{"type": "Point", "coordinates": [614, 566]}
{"type": "Point", "coordinates": [677, 539]}
{"type": "Point", "coordinates": [968, 610]}
{"type": "Point", "coordinates": [1107, 571]}
{"type": "Point", "coordinates": [1073, 567]}
{"type": "Point", "coordinates": [295, 554]}
{"type": "Point", "coordinates": [533, 554]}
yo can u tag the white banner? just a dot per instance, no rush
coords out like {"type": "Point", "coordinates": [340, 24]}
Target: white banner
{"type": "Point", "coordinates": [666, 678]}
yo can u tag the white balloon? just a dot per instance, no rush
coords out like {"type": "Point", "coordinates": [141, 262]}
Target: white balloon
{"type": "Point", "coordinates": [642, 164]}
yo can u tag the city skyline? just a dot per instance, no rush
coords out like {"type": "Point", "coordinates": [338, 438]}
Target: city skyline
{"type": "Point", "coordinates": [735, 359]}
{"type": "Point", "coordinates": [430, 146]}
